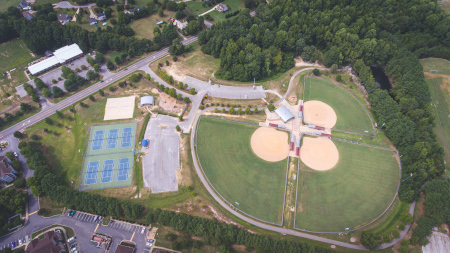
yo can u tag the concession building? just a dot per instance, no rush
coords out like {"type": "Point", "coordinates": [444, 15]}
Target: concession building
{"type": "Point", "coordinates": [284, 114]}
{"type": "Point", "coordinates": [60, 56]}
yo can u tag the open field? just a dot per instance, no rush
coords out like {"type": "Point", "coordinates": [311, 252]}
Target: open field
{"type": "Point", "coordinates": [194, 63]}
{"type": "Point", "coordinates": [14, 54]}
{"type": "Point", "coordinates": [237, 173]}
{"type": "Point", "coordinates": [351, 116]}
{"type": "Point", "coordinates": [144, 26]}
{"type": "Point", "coordinates": [441, 65]}
{"type": "Point", "coordinates": [439, 84]}
{"type": "Point", "coordinates": [356, 191]}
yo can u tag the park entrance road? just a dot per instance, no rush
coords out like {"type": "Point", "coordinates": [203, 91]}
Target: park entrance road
{"type": "Point", "coordinates": [86, 92]}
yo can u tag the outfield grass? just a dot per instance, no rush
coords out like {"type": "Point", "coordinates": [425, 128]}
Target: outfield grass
{"type": "Point", "coordinates": [356, 191]}
{"type": "Point", "coordinates": [237, 173]}
{"type": "Point", "coordinates": [351, 115]}
{"type": "Point", "coordinates": [441, 65]}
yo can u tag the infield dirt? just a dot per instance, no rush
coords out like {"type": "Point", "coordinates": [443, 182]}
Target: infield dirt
{"type": "Point", "coordinates": [269, 144]}
{"type": "Point", "coordinates": [319, 113]}
{"type": "Point", "coordinates": [319, 153]}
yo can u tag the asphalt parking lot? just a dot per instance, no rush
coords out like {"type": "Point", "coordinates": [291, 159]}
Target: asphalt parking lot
{"type": "Point", "coordinates": [163, 156]}
{"type": "Point", "coordinates": [125, 226]}
{"type": "Point", "coordinates": [87, 217]}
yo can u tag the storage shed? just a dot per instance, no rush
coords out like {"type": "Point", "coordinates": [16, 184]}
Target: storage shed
{"type": "Point", "coordinates": [284, 114]}
{"type": "Point", "coordinates": [144, 143]}
{"type": "Point", "coordinates": [147, 100]}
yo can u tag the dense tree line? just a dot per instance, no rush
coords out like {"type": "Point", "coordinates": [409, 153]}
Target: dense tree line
{"type": "Point", "coordinates": [334, 32]}
{"type": "Point", "coordinates": [409, 120]}
{"type": "Point", "coordinates": [44, 32]}
{"type": "Point", "coordinates": [12, 202]}
{"type": "Point", "coordinates": [436, 207]}
{"type": "Point", "coordinates": [221, 234]}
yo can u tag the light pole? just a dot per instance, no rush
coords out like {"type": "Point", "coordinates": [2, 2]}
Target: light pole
{"type": "Point", "coordinates": [407, 177]}
{"type": "Point", "coordinates": [379, 129]}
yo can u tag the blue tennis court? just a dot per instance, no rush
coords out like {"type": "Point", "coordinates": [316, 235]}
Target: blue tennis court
{"type": "Point", "coordinates": [122, 171]}
{"type": "Point", "coordinates": [127, 133]}
{"type": "Point", "coordinates": [107, 173]}
{"type": "Point", "coordinates": [97, 142]}
{"type": "Point", "coordinates": [111, 142]}
{"type": "Point", "coordinates": [92, 172]}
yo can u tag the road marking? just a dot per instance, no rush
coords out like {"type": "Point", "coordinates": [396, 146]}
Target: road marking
{"type": "Point", "coordinates": [132, 236]}
{"type": "Point", "coordinates": [96, 228]}
{"type": "Point", "coordinates": [32, 213]}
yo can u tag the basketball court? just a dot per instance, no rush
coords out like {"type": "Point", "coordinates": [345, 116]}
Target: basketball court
{"type": "Point", "coordinates": [108, 161]}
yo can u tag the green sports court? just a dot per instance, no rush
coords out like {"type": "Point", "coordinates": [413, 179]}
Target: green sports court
{"type": "Point", "coordinates": [108, 161]}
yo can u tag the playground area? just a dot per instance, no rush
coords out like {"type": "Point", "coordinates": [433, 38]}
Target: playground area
{"type": "Point", "coordinates": [108, 161]}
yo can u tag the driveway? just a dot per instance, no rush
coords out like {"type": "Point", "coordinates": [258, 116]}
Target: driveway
{"type": "Point", "coordinates": [67, 5]}
{"type": "Point", "coordinates": [163, 154]}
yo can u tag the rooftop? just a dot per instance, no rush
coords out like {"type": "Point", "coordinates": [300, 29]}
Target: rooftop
{"type": "Point", "coordinates": [284, 114]}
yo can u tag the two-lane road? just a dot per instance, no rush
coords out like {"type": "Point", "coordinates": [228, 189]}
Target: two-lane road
{"type": "Point", "coordinates": [50, 110]}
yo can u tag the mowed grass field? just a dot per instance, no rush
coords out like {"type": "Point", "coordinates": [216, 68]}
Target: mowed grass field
{"type": "Point", "coordinates": [440, 92]}
{"type": "Point", "coordinates": [351, 115]}
{"type": "Point", "coordinates": [229, 163]}
{"type": "Point", "coordinates": [356, 191]}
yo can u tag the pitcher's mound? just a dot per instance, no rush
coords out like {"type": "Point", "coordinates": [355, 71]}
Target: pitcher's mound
{"type": "Point", "coordinates": [319, 153]}
{"type": "Point", "coordinates": [269, 144]}
{"type": "Point", "coordinates": [319, 113]}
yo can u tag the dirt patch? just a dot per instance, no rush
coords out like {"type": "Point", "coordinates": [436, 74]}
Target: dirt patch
{"type": "Point", "coordinates": [300, 63]}
{"type": "Point", "coordinates": [319, 113]}
{"type": "Point", "coordinates": [293, 98]}
{"type": "Point", "coordinates": [152, 233]}
{"type": "Point", "coordinates": [319, 153]}
{"type": "Point", "coordinates": [168, 103]}
{"type": "Point", "coordinates": [154, 90]}
{"type": "Point", "coordinates": [269, 144]}
{"type": "Point", "coordinates": [439, 243]}
{"type": "Point", "coordinates": [119, 108]}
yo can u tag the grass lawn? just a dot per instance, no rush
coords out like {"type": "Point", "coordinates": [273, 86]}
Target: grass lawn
{"type": "Point", "coordinates": [441, 65]}
{"type": "Point", "coordinates": [237, 173]}
{"type": "Point", "coordinates": [356, 191]}
{"type": "Point", "coordinates": [351, 115]}
{"type": "Point", "coordinates": [51, 208]}
{"type": "Point", "coordinates": [194, 63]}
{"type": "Point", "coordinates": [14, 54]}
{"type": "Point", "coordinates": [440, 92]}
{"type": "Point", "coordinates": [144, 26]}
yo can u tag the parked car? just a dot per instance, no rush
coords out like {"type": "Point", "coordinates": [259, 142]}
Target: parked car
{"type": "Point", "coordinates": [72, 213]}
{"type": "Point", "coordinates": [148, 244]}
{"type": "Point", "coordinates": [15, 154]}
{"type": "Point", "coordinates": [143, 230]}
{"type": "Point", "coordinates": [13, 244]}
{"type": "Point", "coordinates": [20, 241]}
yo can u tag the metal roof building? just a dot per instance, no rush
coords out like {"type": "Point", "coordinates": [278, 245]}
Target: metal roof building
{"type": "Point", "coordinates": [147, 100]}
{"type": "Point", "coordinates": [284, 114]}
{"type": "Point", "coordinates": [60, 56]}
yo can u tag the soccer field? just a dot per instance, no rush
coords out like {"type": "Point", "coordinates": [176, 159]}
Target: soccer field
{"type": "Point", "coordinates": [240, 176]}
{"type": "Point", "coordinates": [109, 157]}
{"type": "Point", "coordinates": [351, 115]}
{"type": "Point", "coordinates": [356, 191]}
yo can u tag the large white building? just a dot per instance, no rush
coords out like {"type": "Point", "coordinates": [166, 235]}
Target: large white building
{"type": "Point", "coordinates": [60, 56]}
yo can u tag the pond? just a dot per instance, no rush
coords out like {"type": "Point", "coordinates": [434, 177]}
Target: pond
{"type": "Point", "coordinates": [381, 78]}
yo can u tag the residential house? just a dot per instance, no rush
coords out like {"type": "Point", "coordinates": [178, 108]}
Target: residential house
{"type": "Point", "coordinates": [100, 16]}
{"type": "Point", "coordinates": [180, 25]}
{"type": "Point", "coordinates": [27, 15]}
{"type": "Point", "coordinates": [222, 7]}
{"type": "Point", "coordinates": [136, 9]}
{"type": "Point", "coordinates": [24, 5]}
{"type": "Point", "coordinates": [253, 14]}
{"type": "Point", "coordinates": [64, 18]}
{"type": "Point", "coordinates": [7, 172]}
{"type": "Point", "coordinates": [92, 21]}
{"type": "Point", "coordinates": [51, 243]}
